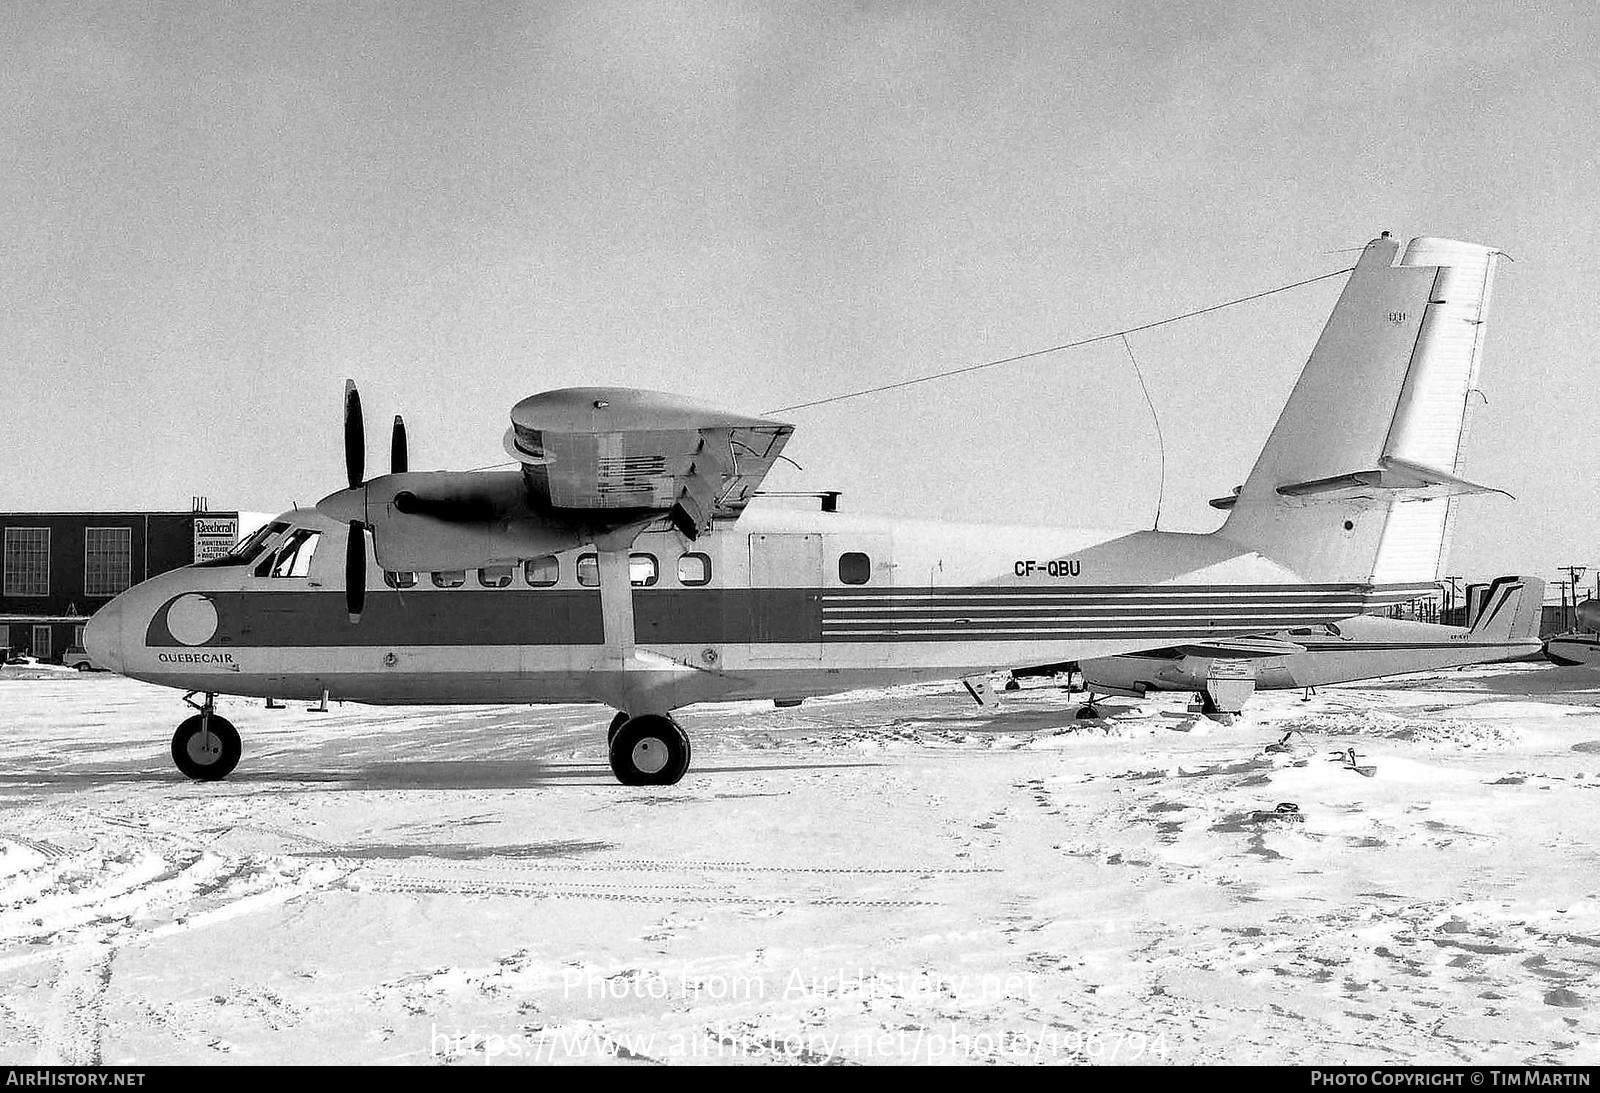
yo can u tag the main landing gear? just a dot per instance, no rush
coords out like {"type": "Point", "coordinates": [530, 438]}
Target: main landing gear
{"type": "Point", "coordinates": [206, 747]}
{"type": "Point", "coordinates": [647, 750]}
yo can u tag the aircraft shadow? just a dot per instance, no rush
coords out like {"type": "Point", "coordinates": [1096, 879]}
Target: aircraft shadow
{"type": "Point", "coordinates": [492, 774]}
{"type": "Point", "coordinates": [420, 774]}
{"type": "Point", "coordinates": [1581, 683]}
{"type": "Point", "coordinates": [1004, 721]}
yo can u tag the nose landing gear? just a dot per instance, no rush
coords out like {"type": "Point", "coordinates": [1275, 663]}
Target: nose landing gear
{"type": "Point", "coordinates": [206, 747]}
{"type": "Point", "coordinates": [648, 750]}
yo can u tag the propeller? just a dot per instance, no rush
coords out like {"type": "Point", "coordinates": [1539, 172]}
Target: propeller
{"type": "Point", "coordinates": [355, 463]}
{"type": "Point", "coordinates": [355, 570]}
{"type": "Point", "coordinates": [397, 447]}
{"type": "Point", "coordinates": [355, 437]}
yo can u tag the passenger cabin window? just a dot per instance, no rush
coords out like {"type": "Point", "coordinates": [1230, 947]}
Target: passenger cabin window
{"type": "Point", "coordinates": [495, 576]}
{"type": "Point", "coordinates": [643, 571]}
{"type": "Point", "coordinates": [855, 568]}
{"type": "Point", "coordinates": [294, 556]}
{"type": "Point", "coordinates": [450, 578]}
{"type": "Point", "coordinates": [694, 569]}
{"type": "Point", "coordinates": [542, 572]}
{"type": "Point", "coordinates": [399, 580]}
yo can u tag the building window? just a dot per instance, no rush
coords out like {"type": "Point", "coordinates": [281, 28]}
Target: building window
{"type": "Point", "coordinates": [77, 637]}
{"type": "Point", "coordinates": [589, 570]}
{"type": "Point", "coordinates": [495, 576]}
{"type": "Point", "coordinates": [27, 562]}
{"type": "Point", "coordinates": [41, 642]}
{"type": "Point", "coordinates": [643, 570]}
{"type": "Point", "coordinates": [855, 568]}
{"type": "Point", "coordinates": [450, 578]}
{"type": "Point", "coordinates": [400, 579]}
{"type": "Point", "coordinates": [107, 560]}
{"type": "Point", "coordinates": [542, 572]}
{"type": "Point", "coordinates": [694, 569]}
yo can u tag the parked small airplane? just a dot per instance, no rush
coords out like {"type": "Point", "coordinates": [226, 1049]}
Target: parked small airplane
{"type": "Point", "coordinates": [624, 563]}
{"type": "Point", "coordinates": [1580, 646]}
{"type": "Point", "coordinates": [1226, 673]}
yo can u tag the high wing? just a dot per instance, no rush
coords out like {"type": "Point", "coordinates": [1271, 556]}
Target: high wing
{"type": "Point", "coordinates": [591, 450]}
{"type": "Point", "coordinates": [599, 465]}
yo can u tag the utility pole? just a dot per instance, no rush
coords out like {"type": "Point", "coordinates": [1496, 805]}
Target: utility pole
{"type": "Point", "coordinates": [1574, 575]}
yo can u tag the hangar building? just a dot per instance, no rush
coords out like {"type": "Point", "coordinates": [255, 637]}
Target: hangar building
{"type": "Point", "coordinates": [58, 568]}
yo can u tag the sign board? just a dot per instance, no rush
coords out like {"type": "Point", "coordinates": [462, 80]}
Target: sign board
{"type": "Point", "coordinates": [214, 536]}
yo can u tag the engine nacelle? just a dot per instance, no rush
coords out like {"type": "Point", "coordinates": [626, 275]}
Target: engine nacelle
{"type": "Point", "coordinates": [448, 520]}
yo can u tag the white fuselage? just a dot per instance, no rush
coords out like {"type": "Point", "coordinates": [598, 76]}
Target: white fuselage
{"type": "Point", "coordinates": [782, 604]}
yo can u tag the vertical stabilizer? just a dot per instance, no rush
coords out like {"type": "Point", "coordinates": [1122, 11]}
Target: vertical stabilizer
{"type": "Point", "coordinates": [1358, 478]}
{"type": "Point", "coordinates": [1511, 610]}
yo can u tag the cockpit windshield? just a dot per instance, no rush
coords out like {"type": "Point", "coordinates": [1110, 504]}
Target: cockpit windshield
{"type": "Point", "coordinates": [249, 548]}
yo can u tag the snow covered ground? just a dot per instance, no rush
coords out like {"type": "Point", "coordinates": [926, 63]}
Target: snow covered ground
{"type": "Point", "coordinates": [886, 876]}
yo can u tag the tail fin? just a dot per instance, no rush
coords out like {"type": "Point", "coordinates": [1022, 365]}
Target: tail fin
{"type": "Point", "coordinates": [1358, 479]}
{"type": "Point", "coordinates": [1511, 610]}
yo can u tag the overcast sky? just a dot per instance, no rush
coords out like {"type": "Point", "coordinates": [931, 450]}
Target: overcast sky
{"type": "Point", "coordinates": [214, 213]}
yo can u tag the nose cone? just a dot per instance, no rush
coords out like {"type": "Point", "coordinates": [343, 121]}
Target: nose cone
{"type": "Point", "coordinates": [102, 637]}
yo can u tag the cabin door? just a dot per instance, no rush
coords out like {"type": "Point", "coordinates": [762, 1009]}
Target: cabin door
{"type": "Point", "coordinates": [785, 597]}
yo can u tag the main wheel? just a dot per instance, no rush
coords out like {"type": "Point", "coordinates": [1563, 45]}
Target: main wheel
{"type": "Point", "coordinates": [1088, 713]}
{"type": "Point", "coordinates": [206, 753]}
{"type": "Point", "coordinates": [616, 723]}
{"type": "Point", "coordinates": [649, 750]}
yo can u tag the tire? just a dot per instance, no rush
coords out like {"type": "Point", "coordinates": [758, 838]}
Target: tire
{"type": "Point", "coordinates": [649, 750]}
{"type": "Point", "coordinates": [1088, 713]}
{"type": "Point", "coordinates": [616, 723]}
{"type": "Point", "coordinates": [203, 764]}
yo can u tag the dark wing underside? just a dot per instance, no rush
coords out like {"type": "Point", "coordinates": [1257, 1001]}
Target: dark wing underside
{"type": "Point", "coordinates": [592, 449]}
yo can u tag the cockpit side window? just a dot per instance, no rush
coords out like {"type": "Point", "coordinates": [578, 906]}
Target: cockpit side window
{"type": "Point", "coordinates": [294, 556]}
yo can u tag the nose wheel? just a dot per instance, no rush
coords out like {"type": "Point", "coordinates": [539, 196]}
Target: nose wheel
{"type": "Point", "coordinates": [206, 748]}
{"type": "Point", "coordinates": [648, 750]}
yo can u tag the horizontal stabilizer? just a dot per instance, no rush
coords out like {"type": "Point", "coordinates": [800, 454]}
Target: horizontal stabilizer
{"type": "Point", "coordinates": [1390, 476]}
{"type": "Point", "coordinates": [1247, 648]}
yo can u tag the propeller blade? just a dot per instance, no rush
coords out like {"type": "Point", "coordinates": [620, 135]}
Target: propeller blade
{"type": "Point", "coordinates": [355, 571]}
{"type": "Point", "coordinates": [355, 436]}
{"type": "Point", "coordinates": [397, 447]}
